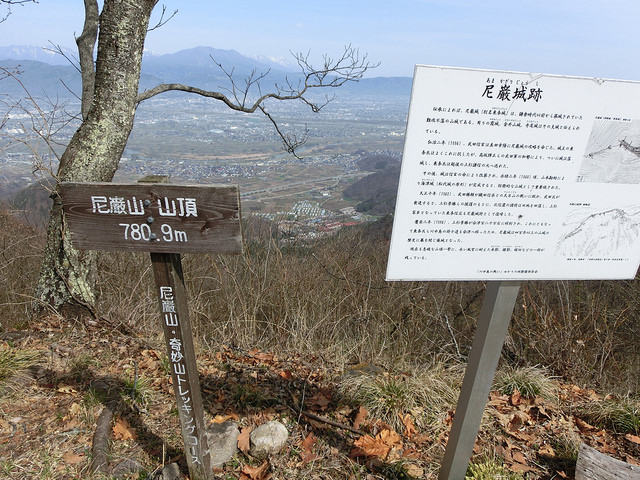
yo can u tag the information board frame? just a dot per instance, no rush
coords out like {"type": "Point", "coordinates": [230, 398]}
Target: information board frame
{"type": "Point", "coordinates": [592, 107]}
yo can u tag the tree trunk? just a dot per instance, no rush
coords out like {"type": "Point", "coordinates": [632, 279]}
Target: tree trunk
{"type": "Point", "coordinates": [67, 276]}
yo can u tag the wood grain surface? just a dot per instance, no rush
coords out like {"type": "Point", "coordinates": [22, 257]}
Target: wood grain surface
{"type": "Point", "coordinates": [205, 219]}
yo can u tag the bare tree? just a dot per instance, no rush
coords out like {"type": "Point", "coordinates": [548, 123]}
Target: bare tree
{"type": "Point", "coordinates": [109, 100]}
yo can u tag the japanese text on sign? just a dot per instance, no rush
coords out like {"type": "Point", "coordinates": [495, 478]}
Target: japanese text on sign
{"type": "Point", "coordinates": [178, 369]}
{"type": "Point", "coordinates": [167, 207]}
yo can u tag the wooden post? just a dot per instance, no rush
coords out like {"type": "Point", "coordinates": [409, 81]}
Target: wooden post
{"type": "Point", "coordinates": [493, 322]}
{"type": "Point", "coordinates": [172, 299]}
{"type": "Point", "coordinates": [595, 465]}
{"type": "Point", "coordinates": [167, 270]}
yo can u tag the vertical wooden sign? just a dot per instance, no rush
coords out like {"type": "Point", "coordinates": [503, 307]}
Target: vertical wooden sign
{"type": "Point", "coordinates": [167, 270]}
{"type": "Point", "coordinates": [164, 220]}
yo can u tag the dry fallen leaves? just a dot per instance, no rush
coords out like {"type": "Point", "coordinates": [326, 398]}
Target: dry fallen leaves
{"type": "Point", "coordinates": [66, 389]}
{"type": "Point", "coordinates": [390, 437]}
{"type": "Point", "coordinates": [75, 409]}
{"type": "Point", "coordinates": [519, 457]}
{"type": "Point", "coordinates": [244, 439]}
{"type": "Point", "coordinates": [263, 357]}
{"type": "Point", "coordinates": [307, 454]}
{"type": "Point", "coordinates": [380, 446]}
{"type": "Point", "coordinates": [309, 442]}
{"type": "Point", "coordinates": [367, 446]}
{"type": "Point", "coordinates": [319, 401]}
{"type": "Point", "coordinates": [123, 431]}
{"type": "Point", "coordinates": [516, 397]}
{"type": "Point", "coordinates": [546, 451]}
{"type": "Point", "coordinates": [414, 470]}
{"type": "Point", "coordinates": [583, 426]}
{"type": "Point", "coordinates": [633, 438]}
{"type": "Point", "coordinates": [360, 417]}
{"type": "Point", "coordinates": [520, 468]}
{"type": "Point", "coordinates": [409, 426]}
{"type": "Point", "coordinates": [72, 458]}
{"type": "Point", "coordinates": [632, 460]}
{"type": "Point", "coordinates": [224, 418]}
{"type": "Point", "coordinates": [257, 473]}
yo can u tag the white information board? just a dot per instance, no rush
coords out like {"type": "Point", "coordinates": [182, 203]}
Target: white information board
{"type": "Point", "coordinates": [516, 176]}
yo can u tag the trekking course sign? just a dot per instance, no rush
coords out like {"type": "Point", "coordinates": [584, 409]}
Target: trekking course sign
{"type": "Point", "coordinates": [516, 176]}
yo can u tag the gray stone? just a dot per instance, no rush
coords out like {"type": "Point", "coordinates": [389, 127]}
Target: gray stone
{"type": "Point", "coordinates": [268, 439]}
{"type": "Point", "coordinates": [169, 472]}
{"type": "Point", "coordinates": [126, 467]}
{"type": "Point", "coordinates": [223, 442]}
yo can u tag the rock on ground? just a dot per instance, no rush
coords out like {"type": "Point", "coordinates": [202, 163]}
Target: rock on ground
{"type": "Point", "coordinates": [268, 439]}
{"type": "Point", "coordinates": [169, 472]}
{"type": "Point", "coordinates": [126, 467]}
{"type": "Point", "coordinates": [223, 442]}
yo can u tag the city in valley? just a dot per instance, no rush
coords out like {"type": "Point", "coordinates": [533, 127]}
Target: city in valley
{"type": "Point", "coordinates": [198, 140]}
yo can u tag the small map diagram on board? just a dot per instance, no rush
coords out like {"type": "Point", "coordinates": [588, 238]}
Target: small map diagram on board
{"type": "Point", "coordinates": [613, 153]}
{"type": "Point", "coordinates": [606, 233]}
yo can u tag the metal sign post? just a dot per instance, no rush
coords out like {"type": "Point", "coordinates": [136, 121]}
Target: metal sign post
{"type": "Point", "coordinates": [493, 322]}
{"type": "Point", "coordinates": [164, 220]}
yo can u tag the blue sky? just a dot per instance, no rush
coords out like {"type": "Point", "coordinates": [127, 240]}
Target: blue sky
{"type": "Point", "coordinates": [586, 37]}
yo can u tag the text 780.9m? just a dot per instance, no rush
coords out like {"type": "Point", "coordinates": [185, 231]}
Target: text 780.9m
{"type": "Point", "coordinates": [142, 232]}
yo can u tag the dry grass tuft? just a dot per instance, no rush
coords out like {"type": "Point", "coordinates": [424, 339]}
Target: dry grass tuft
{"type": "Point", "coordinates": [427, 393]}
{"type": "Point", "coordinates": [620, 415]}
{"type": "Point", "coordinates": [15, 361]}
{"type": "Point", "coordinates": [529, 381]}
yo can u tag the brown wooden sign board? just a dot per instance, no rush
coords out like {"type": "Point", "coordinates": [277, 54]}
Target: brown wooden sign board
{"type": "Point", "coordinates": [156, 217]}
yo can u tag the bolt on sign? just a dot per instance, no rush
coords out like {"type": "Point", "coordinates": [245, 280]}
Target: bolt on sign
{"type": "Point", "coordinates": [510, 176]}
{"type": "Point", "coordinates": [164, 220]}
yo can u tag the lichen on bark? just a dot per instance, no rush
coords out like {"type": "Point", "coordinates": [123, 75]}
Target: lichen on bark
{"type": "Point", "coordinates": [68, 276]}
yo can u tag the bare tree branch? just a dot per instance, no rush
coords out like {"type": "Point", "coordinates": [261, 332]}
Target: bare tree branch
{"type": "Point", "coordinates": [290, 142]}
{"type": "Point", "coordinates": [45, 125]}
{"type": "Point", "coordinates": [350, 66]}
{"type": "Point", "coordinates": [86, 44]}
{"type": "Point", "coordinates": [68, 89]}
{"type": "Point", "coordinates": [13, 2]}
{"type": "Point", "coordinates": [162, 21]}
{"type": "Point", "coordinates": [58, 50]}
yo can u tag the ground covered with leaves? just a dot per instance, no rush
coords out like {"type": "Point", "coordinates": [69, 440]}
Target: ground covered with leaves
{"type": "Point", "coordinates": [358, 422]}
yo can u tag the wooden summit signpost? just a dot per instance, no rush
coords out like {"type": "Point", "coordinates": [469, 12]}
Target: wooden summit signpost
{"type": "Point", "coordinates": [165, 220]}
{"type": "Point", "coordinates": [511, 176]}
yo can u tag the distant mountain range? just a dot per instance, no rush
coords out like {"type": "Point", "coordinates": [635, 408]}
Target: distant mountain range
{"type": "Point", "coordinates": [45, 73]}
{"type": "Point", "coordinates": [37, 54]}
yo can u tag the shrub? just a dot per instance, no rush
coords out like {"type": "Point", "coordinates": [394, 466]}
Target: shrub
{"type": "Point", "coordinates": [490, 470]}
